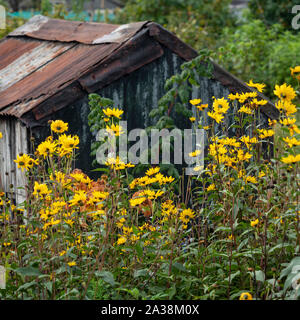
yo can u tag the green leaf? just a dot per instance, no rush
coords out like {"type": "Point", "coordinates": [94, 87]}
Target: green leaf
{"type": "Point", "coordinates": [107, 277]}
{"type": "Point", "coordinates": [27, 285]}
{"type": "Point", "coordinates": [139, 250]}
{"type": "Point", "coordinates": [179, 266]}
{"type": "Point", "coordinates": [28, 271]}
{"type": "Point", "coordinates": [140, 273]}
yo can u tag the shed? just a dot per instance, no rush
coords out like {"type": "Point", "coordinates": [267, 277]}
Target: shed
{"type": "Point", "coordinates": [48, 68]}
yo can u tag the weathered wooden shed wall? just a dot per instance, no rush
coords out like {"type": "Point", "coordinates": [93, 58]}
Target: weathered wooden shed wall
{"type": "Point", "coordinates": [14, 142]}
{"type": "Point", "coordinates": [138, 93]}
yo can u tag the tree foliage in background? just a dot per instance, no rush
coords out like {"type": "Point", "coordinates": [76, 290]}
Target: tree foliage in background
{"type": "Point", "coordinates": [197, 22]}
{"type": "Point", "coordinates": [273, 11]}
{"type": "Point", "coordinates": [255, 51]}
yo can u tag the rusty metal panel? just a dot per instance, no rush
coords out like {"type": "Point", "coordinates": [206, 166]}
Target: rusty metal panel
{"type": "Point", "coordinates": [11, 49]}
{"type": "Point", "coordinates": [43, 28]}
{"type": "Point", "coordinates": [138, 52]}
{"type": "Point", "coordinates": [30, 61]}
{"type": "Point", "coordinates": [52, 77]}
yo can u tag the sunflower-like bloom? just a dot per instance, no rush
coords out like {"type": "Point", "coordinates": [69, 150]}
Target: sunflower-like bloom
{"type": "Point", "coordinates": [291, 142]}
{"type": "Point", "coordinates": [246, 296]}
{"type": "Point", "coordinates": [113, 112]}
{"type": "Point", "coordinates": [247, 110]}
{"type": "Point", "coordinates": [118, 164]}
{"type": "Point", "coordinates": [69, 142]}
{"type": "Point", "coordinates": [59, 126]}
{"type": "Point", "coordinates": [202, 107]}
{"type": "Point", "coordinates": [295, 72]}
{"type": "Point", "coordinates": [195, 153]}
{"type": "Point", "coordinates": [152, 171]}
{"type": "Point", "coordinates": [186, 215]}
{"type": "Point", "coordinates": [220, 105]}
{"type": "Point", "coordinates": [264, 133]}
{"type": "Point", "coordinates": [258, 86]}
{"type": "Point", "coordinates": [23, 161]}
{"type": "Point", "coordinates": [40, 190]}
{"type": "Point", "coordinates": [78, 199]}
{"type": "Point", "coordinates": [254, 223]}
{"type": "Point", "coordinates": [250, 179]}
{"type": "Point", "coordinates": [285, 92]}
{"type": "Point", "coordinates": [287, 106]}
{"type": "Point", "coordinates": [216, 116]}
{"type": "Point", "coordinates": [195, 102]}
{"type": "Point", "coordinates": [291, 159]}
{"type": "Point", "coordinates": [248, 141]}
{"type": "Point", "coordinates": [1, 136]}
{"type": "Point", "coordinates": [114, 130]}
{"type": "Point", "coordinates": [47, 148]}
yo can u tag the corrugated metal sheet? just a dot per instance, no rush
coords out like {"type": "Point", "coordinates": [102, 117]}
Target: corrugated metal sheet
{"type": "Point", "coordinates": [47, 64]}
{"type": "Point", "coordinates": [43, 28]}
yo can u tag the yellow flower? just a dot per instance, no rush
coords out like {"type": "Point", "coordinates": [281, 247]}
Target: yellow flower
{"type": "Point", "coordinates": [152, 171]}
{"type": "Point", "coordinates": [288, 121]}
{"type": "Point", "coordinates": [233, 97]}
{"type": "Point", "coordinates": [248, 141]}
{"type": "Point", "coordinates": [246, 95]}
{"type": "Point", "coordinates": [295, 72]}
{"type": "Point", "coordinates": [23, 161]}
{"type": "Point", "coordinates": [40, 189]}
{"type": "Point", "coordinates": [121, 240]}
{"type": "Point", "coordinates": [195, 153]}
{"type": "Point", "coordinates": [1, 136]}
{"type": "Point", "coordinates": [285, 92]}
{"type": "Point", "coordinates": [202, 107]}
{"type": "Point", "coordinates": [250, 179]}
{"type": "Point", "coordinates": [211, 187]}
{"type": "Point", "coordinates": [120, 223]}
{"type": "Point", "coordinates": [265, 133]}
{"type": "Point", "coordinates": [114, 130]}
{"type": "Point", "coordinates": [255, 102]}
{"type": "Point", "coordinates": [231, 237]}
{"type": "Point", "coordinates": [246, 296]}
{"type": "Point", "coordinates": [70, 222]}
{"type": "Point", "coordinates": [220, 105]}
{"type": "Point", "coordinates": [286, 106]}
{"type": "Point", "coordinates": [192, 119]}
{"type": "Point", "coordinates": [46, 148]}
{"type": "Point", "coordinates": [216, 116]}
{"type": "Point", "coordinates": [78, 199]}
{"type": "Point", "coordinates": [68, 143]}
{"type": "Point", "coordinates": [291, 142]}
{"type": "Point", "coordinates": [254, 223]}
{"type": "Point", "coordinates": [136, 201]}
{"type": "Point", "coordinates": [243, 156]}
{"type": "Point", "coordinates": [72, 263]}
{"type": "Point", "coordinates": [186, 215]}
{"type": "Point", "coordinates": [59, 126]}
{"type": "Point", "coordinates": [113, 112]}
{"type": "Point", "coordinates": [261, 174]}
{"type": "Point", "coordinates": [258, 86]}
{"type": "Point", "coordinates": [195, 101]}
{"type": "Point", "coordinates": [272, 122]}
{"type": "Point", "coordinates": [244, 109]}
{"type": "Point", "coordinates": [291, 159]}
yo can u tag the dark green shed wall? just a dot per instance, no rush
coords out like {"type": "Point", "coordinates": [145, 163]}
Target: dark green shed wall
{"type": "Point", "coordinates": [138, 93]}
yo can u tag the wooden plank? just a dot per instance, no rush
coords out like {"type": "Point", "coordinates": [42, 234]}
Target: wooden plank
{"type": "Point", "coordinates": [20, 147]}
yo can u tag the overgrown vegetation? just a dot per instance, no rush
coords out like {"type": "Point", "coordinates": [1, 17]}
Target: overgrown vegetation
{"type": "Point", "coordinates": [122, 237]}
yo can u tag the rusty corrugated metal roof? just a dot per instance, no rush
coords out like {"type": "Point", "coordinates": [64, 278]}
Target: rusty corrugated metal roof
{"type": "Point", "coordinates": [47, 64]}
